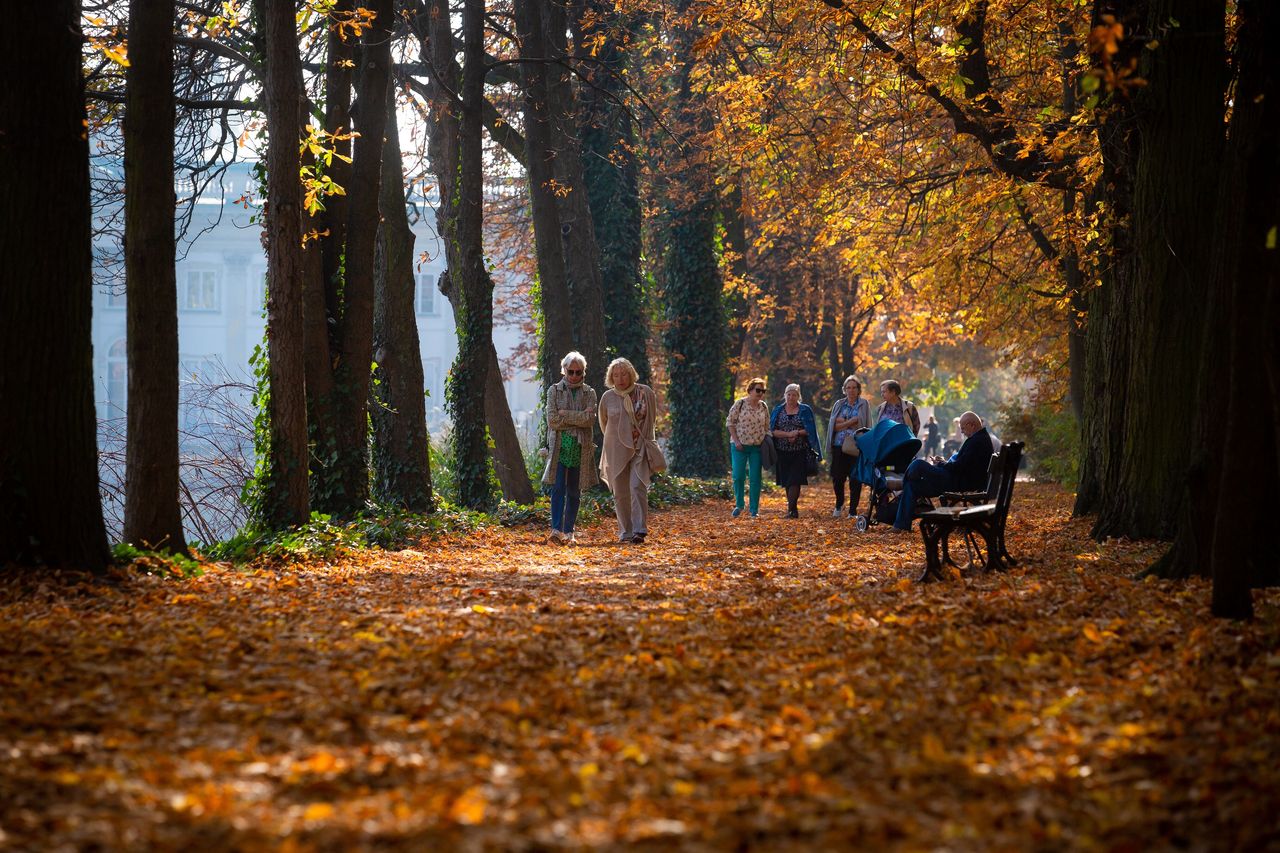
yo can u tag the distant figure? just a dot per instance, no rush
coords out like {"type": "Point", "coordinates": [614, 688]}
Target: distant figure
{"type": "Point", "coordinates": [795, 434]}
{"type": "Point", "coordinates": [848, 414]}
{"type": "Point", "coordinates": [627, 414]}
{"type": "Point", "coordinates": [932, 437]}
{"type": "Point", "coordinates": [571, 413]}
{"type": "Point", "coordinates": [964, 472]}
{"type": "Point", "coordinates": [748, 422]}
{"type": "Point", "coordinates": [896, 408]}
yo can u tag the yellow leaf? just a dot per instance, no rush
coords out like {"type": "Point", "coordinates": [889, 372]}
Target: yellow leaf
{"type": "Point", "coordinates": [932, 749]}
{"type": "Point", "coordinates": [480, 608]}
{"type": "Point", "coordinates": [318, 811]}
{"type": "Point", "coordinates": [369, 636]}
{"type": "Point", "coordinates": [1092, 634]}
{"type": "Point", "coordinates": [469, 808]}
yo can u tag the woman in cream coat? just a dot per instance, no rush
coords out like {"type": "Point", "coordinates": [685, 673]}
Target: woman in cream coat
{"type": "Point", "coordinates": [629, 453]}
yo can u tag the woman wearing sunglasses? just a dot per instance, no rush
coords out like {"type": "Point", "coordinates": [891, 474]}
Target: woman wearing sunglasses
{"type": "Point", "coordinates": [748, 422]}
{"type": "Point", "coordinates": [571, 414]}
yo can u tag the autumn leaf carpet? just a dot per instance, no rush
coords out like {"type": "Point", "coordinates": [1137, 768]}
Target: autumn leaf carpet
{"type": "Point", "coordinates": [731, 684]}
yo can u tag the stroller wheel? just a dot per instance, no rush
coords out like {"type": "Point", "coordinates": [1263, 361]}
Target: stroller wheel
{"type": "Point", "coordinates": [860, 523]}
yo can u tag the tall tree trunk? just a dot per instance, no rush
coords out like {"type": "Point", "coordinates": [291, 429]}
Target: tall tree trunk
{"type": "Point", "coordinates": [152, 515]}
{"type": "Point", "coordinates": [738, 306]}
{"type": "Point", "coordinates": [457, 160]}
{"type": "Point", "coordinates": [1250, 468]}
{"type": "Point", "coordinates": [577, 230]}
{"type": "Point", "coordinates": [610, 170]}
{"type": "Point", "coordinates": [326, 237]}
{"type": "Point", "coordinates": [507, 455]}
{"type": "Point", "coordinates": [1149, 329]}
{"type": "Point", "coordinates": [554, 298]}
{"type": "Point", "coordinates": [1107, 333]}
{"type": "Point", "coordinates": [353, 355]}
{"type": "Point", "coordinates": [401, 457]}
{"type": "Point", "coordinates": [285, 499]}
{"type": "Point", "coordinates": [50, 510]}
{"type": "Point", "coordinates": [508, 458]}
{"type": "Point", "coordinates": [695, 336]}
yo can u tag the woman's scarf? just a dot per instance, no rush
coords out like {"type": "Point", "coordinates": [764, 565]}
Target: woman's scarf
{"type": "Point", "coordinates": [630, 405]}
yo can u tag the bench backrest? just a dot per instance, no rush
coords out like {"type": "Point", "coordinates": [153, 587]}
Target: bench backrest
{"type": "Point", "coordinates": [1004, 472]}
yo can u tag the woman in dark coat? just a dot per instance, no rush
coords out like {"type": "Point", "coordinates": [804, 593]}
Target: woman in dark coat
{"type": "Point", "coordinates": [795, 435]}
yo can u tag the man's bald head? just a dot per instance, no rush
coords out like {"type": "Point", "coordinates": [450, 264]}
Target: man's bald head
{"type": "Point", "coordinates": [970, 423]}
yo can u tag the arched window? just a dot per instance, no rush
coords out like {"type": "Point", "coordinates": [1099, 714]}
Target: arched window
{"type": "Point", "coordinates": [117, 379]}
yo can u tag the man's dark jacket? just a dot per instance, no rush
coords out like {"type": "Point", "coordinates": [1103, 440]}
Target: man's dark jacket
{"type": "Point", "coordinates": [968, 466]}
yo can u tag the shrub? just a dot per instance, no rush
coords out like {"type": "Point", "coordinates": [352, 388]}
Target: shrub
{"type": "Point", "coordinates": [1052, 439]}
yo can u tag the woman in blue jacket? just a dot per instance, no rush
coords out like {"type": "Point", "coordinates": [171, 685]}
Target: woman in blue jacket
{"type": "Point", "coordinates": [795, 436]}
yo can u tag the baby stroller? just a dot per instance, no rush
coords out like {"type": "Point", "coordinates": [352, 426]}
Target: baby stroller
{"type": "Point", "coordinates": [885, 452]}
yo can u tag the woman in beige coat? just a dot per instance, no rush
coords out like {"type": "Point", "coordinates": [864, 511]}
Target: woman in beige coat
{"type": "Point", "coordinates": [571, 446]}
{"type": "Point", "coordinates": [629, 453]}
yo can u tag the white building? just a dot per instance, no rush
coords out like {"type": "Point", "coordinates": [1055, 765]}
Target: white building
{"type": "Point", "coordinates": [221, 298]}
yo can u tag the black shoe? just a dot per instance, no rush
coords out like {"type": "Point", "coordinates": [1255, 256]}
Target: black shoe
{"type": "Point", "coordinates": [795, 513]}
{"type": "Point", "coordinates": [638, 539]}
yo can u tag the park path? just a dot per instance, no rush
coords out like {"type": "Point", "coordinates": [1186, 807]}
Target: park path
{"type": "Point", "coordinates": [740, 683]}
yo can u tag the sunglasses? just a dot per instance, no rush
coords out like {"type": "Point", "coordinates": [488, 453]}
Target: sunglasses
{"type": "Point", "coordinates": [755, 390]}
{"type": "Point", "coordinates": [572, 372]}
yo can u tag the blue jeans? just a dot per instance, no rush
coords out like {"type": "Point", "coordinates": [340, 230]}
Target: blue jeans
{"type": "Point", "coordinates": [566, 494]}
{"type": "Point", "coordinates": [746, 462]}
{"type": "Point", "coordinates": [922, 480]}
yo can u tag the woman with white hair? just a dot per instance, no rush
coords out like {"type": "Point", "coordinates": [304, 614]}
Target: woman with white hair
{"type": "Point", "coordinates": [571, 413]}
{"type": "Point", "coordinates": [629, 453]}
{"type": "Point", "coordinates": [795, 436]}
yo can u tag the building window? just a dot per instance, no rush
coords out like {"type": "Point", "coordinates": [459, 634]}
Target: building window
{"type": "Point", "coordinates": [199, 291]}
{"type": "Point", "coordinates": [116, 296]}
{"type": "Point", "coordinates": [117, 379]}
{"type": "Point", "coordinates": [196, 373]}
{"type": "Point", "coordinates": [432, 381]}
{"type": "Point", "coordinates": [426, 288]}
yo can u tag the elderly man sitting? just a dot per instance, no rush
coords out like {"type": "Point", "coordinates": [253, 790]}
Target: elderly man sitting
{"type": "Point", "coordinates": [965, 471]}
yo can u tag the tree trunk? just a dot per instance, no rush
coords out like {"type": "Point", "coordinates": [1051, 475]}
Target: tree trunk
{"type": "Point", "coordinates": [353, 354]}
{"type": "Point", "coordinates": [1107, 333]}
{"type": "Point", "coordinates": [50, 511]}
{"type": "Point", "coordinates": [508, 458]}
{"type": "Point", "coordinates": [695, 336]}
{"type": "Point", "coordinates": [457, 160]}
{"type": "Point", "coordinates": [152, 515]}
{"type": "Point", "coordinates": [610, 172]}
{"type": "Point", "coordinates": [285, 499]}
{"type": "Point", "coordinates": [1180, 122]}
{"type": "Point", "coordinates": [401, 453]}
{"type": "Point", "coordinates": [737, 307]}
{"type": "Point", "coordinates": [337, 121]}
{"type": "Point", "coordinates": [322, 257]}
{"type": "Point", "coordinates": [1250, 467]}
{"type": "Point", "coordinates": [554, 300]}
{"type": "Point", "coordinates": [577, 230]}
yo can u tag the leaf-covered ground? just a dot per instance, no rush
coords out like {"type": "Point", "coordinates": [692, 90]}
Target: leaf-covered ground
{"type": "Point", "coordinates": [730, 684]}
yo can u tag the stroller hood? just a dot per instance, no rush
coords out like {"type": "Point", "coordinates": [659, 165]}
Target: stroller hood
{"type": "Point", "coordinates": [888, 442]}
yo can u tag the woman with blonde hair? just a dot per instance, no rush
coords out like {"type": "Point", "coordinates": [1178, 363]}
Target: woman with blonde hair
{"type": "Point", "coordinates": [795, 434]}
{"type": "Point", "coordinates": [571, 412]}
{"type": "Point", "coordinates": [748, 423]}
{"type": "Point", "coordinates": [629, 453]}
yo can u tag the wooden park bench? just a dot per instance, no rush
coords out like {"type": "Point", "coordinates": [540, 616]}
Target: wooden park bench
{"type": "Point", "coordinates": [979, 519]}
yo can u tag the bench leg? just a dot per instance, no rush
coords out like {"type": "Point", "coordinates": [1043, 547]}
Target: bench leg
{"type": "Point", "coordinates": [932, 534]}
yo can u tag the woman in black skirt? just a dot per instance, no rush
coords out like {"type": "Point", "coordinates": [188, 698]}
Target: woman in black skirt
{"type": "Point", "coordinates": [795, 435]}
